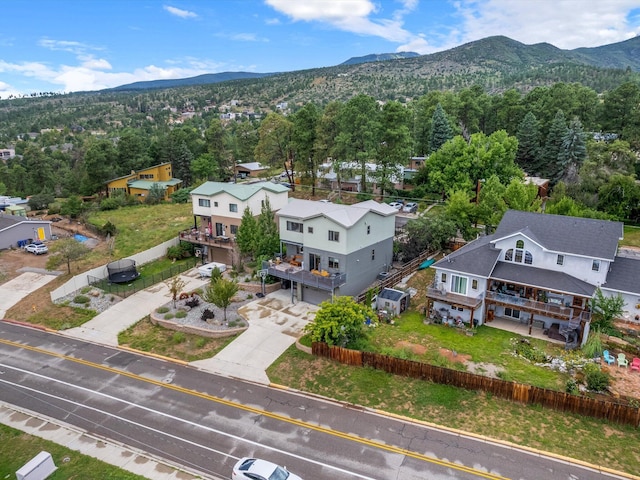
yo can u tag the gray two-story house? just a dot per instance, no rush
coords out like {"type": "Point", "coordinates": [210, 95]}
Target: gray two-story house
{"type": "Point", "coordinates": [331, 249]}
{"type": "Point", "coordinates": [538, 269]}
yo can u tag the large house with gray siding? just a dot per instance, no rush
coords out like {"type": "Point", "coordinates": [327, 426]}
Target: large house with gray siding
{"type": "Point", "coordinates": [538, 269]}
{"type": "Point", "coordinates": [331, 249]}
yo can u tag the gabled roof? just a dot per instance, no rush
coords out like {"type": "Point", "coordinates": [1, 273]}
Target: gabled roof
{"type": "Point", "coordinates": [8, 221]}
{"type": "Point", "coordinates": [345, 215]}
{"type": "Point", "coordinates": [241, 191]}
{"type": "Point", "coordinates": [251, 166]}
{"type": "Point", "coordinates": [624, 275]}
{"type": "Point", "coordinates": [391, 294]}
{"type": "Point", "coordinates": [558, 233]}
{"type": "Point", "coordinates": [539, 277]}
{"type": "Point", "coordinates": [476, 258]}
{"type": "Point", "coordinates": [147, 184]}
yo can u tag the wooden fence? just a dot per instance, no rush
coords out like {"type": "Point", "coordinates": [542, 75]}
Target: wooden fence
{"type": "Point", "coordinates": [527, 394]}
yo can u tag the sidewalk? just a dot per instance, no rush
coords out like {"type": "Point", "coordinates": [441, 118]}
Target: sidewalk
{"type": "Point", "coordinates": [78, 440]}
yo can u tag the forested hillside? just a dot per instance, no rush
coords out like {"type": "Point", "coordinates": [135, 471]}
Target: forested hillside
{"type": "Point", "coordinates": [491, 108]}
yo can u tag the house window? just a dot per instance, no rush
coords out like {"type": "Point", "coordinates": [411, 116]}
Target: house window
{"type": "Point", "coordinates": [518, 255]}
{"type": "Point", "coordinates": [233, 207]}
{"type": "Point", "coordinates": [520, 244]}
{"type": "Point", "coordinates": [295, 227]}
{"type": "Point", "coordinates": [508, 255]}
{"type": "Point", "coordinates": [373, 255]}
{"type": "Point", "coordinates": [368, 229]}
{"type": "Point", "coordinates": [234, 229]}
{"type": "Point", "coordinates": [204, 202]}
{"type": "Point", "coordinates": [459, 284]}
{"type": "Point", "coordinates": [474, 284]}
{"type": "Point", "coordinates": [560, 260]}
{"type": "Point", "coordinates": [443, 278]}
{"type": "Point", "coordinates": [334, 263]}
{"type": "Point", "coordinates": [334, 236]}
{"type": "Point", "coordinates": [510, 312]}
{"type": "Point", "coordinates": [215, 204]}
{"type": "Point", "coordinates": [309, 229]}
{"type": "Point", "coordinates": [595, 266]}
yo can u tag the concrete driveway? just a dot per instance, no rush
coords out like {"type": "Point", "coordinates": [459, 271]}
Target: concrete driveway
{"type": "Point", "coordinates": [16, 289]}
{"type": "Point", "coordinates": [274, 325]}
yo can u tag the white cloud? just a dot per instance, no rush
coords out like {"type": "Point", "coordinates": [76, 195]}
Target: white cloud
{"type": "Point", "coordinates": [248, 37]}
{"type": "Point", "coordinates": [566, 24]}
{"type": "Point", "coordinates": [66, 46]}
{"type": "Point", "coordinates": [179, 12]}
{"type": "Point", "coordinates": [272, 21]}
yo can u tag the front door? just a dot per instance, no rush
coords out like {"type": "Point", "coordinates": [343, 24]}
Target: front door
{"type": "Point", "coordinates": [219, 230]}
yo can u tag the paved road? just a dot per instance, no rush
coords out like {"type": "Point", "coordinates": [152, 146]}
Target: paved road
{"type": "Point", "coordinates": [206, 422]}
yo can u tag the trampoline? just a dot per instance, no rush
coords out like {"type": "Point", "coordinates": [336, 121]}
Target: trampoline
{"type": "Point", "coordinates": [122, 271]}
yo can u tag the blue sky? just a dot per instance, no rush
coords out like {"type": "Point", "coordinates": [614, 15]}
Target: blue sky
{"type": "Point", "coordinates": [79, 45]}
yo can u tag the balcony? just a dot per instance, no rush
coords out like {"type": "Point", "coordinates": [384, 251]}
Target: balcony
{"type": "Point", "coordinates": [453, 298]}
{"type": "Point", "coordinates": [197, 237]}
{"type": "Point", "coordinates": [322, 280]}
{"type": "Point", "coordinates": [547, 309]}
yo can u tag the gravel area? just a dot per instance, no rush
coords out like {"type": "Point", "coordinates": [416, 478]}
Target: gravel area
{"type": "Point", "coordinates": [99, 301]}
{"type": "Point", "coordinates": [194, 315]}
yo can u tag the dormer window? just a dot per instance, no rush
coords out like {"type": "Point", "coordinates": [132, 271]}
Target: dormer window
{"type": "Point", "coordinates": [518, 254]}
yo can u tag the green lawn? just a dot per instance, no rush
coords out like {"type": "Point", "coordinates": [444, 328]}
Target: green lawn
{"type": "Point", "coordinates": [578, 437]}
{"type": "Point", "coordinates": [631, 236]}
{"type": "Point", "coordinates": [17, 448]}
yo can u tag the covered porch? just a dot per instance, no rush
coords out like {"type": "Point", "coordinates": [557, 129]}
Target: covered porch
{"type": "Point", "coordinates": [524, 329]}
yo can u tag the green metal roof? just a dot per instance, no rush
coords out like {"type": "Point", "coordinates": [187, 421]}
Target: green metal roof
{"type": "Point", "coordinates": [147, 184]}
{"type": "Point", "coordinates": [241, 191]}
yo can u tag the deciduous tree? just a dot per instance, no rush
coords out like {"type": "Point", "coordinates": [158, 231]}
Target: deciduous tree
{"type": "Point", "coordinates": [340, 323]}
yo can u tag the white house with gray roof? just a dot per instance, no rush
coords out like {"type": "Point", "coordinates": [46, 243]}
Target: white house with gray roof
{"type": "Point", "coordinates": [333, 249]}
{"type": "Point", "coordinates": [217, 213]}
{"type": "Point", "coordinates": [537, 269]}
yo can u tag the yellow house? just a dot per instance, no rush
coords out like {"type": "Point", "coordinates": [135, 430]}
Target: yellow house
{"type": "Point", "coordinates": [139, 183]}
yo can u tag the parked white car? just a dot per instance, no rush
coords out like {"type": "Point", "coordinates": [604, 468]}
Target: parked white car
{"type": "Point", "coordinates": [256, 469]}
{"type": "Point", "coordinates": [36, 248]}
{"type": "Point", "coordinates": [410, 207]}
{"type": "Point", "coordinates": [396, 205]}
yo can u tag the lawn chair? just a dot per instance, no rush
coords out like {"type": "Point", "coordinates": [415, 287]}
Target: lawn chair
{"type": "Point", "coordinates": [635, 364]}
{"type": "Point", "coordinates": [608, 357]}
{"type": "Point", "coordinates": [622, 360]}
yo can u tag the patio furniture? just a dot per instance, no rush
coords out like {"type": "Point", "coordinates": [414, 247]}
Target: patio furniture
{"type": "Point", "coordinates": [635, 364]}
{"type": "Point", "coordinates": [608, 357]}
{"type": "Point", "coordinates": [622, 360]}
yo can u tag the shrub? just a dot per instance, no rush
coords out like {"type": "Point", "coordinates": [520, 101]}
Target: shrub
{"type": "Point", "coordinates": [168, 316]}
{"type": "Point", "coordinates": [572, 387]}
{"type": "Point", "coordinates": [108, 229]}
{"type": "Point", "coordinates": [85, 290]}
{"type": "Point", "coordinates": [178, 337]}
{"type": "Point", "coordinates": [597, 380]}
{"type": "Point", "coordinates": [192, 302]}
{"type": "Point", "coordinates": [162, 309]}
{"type": "Point", "coordinates": [109, 204]}
{"type": "Point", "coordinates": [206, 315]}
{"type": "Point", "coordinates": [530, 352]}
{"type": "Point", "coordinates": [593, 346]}
{"type": "Point", "coordinates": [181, 314]}
{"type": "Point", "coordinates": [249, 296]}
{"type": "Point", "coordinates": [82, 299]}
{"type": "Point", "coordinates": [201, 342]}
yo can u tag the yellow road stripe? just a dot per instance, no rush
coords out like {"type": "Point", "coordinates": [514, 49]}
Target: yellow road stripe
{"type": "Point", "coordinates": [300, 423]}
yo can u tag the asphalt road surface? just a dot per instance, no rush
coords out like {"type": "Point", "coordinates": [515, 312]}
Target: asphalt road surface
{"type": "Point", "coordinates": [206, 422]}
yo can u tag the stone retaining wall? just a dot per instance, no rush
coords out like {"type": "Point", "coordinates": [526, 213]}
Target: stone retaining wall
{"type": "Point", "coordinates": [203, 332]}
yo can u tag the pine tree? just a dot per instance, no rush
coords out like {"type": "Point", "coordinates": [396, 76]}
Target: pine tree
{"type": "Point", "coordinates": [528, 137]}
{"type": "Point", "coordinates": [246, 234]}
{"type": "Point", "coordinates": [440, 129]}
{"type": "Point", "coordinates": [573, 153]}
{"type": "Point", "coordinates": [552, 148]}
{"type": "Point", "coordinates": [267, 238]}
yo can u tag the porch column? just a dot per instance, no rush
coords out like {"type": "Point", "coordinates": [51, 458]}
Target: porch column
{"type": "Point", "coordinates": [530, 323]}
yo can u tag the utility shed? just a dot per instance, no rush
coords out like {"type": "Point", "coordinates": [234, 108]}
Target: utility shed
{"type": "Point", "coordinates": [393, 301]}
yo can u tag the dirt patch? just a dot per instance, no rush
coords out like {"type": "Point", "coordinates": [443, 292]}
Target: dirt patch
{"type": "Point", "coordinates": [417, 349]}
{"type": "Point", "coordinates": [454, 356]}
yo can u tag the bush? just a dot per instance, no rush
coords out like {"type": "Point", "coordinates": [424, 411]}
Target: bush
{"type": "Point", "coordinates": [530, 352]}
{"type": "Point", "coordinates": [206, 315]}
{"type": "Point", "coordinates": [572, 387]}
{"type": "Point", "coordinates": [178, 337]}
{"type": "Point", "coordinates": [109, 204]}
{"type": "Point", "coordinates": [597, 380]}
{"type": "Point", "coordinates": [201, 342]}
{"type": "Point", "coordinates": [85, 290]}
{"type": "Point", "coordinates": [182, 250]}
{"type": "Point", "coordinates": [108, 229]}
{"type": "Point", "coordinates": [181, 314]}
{"type": "Point", "coordinates": [162, 309]}
{"type": "Point", "coordinates": [192, 302]}
{"type": "Point", "coordinates": [82, 299]}
{"type": "Point", "coordinates": [168, 316]}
